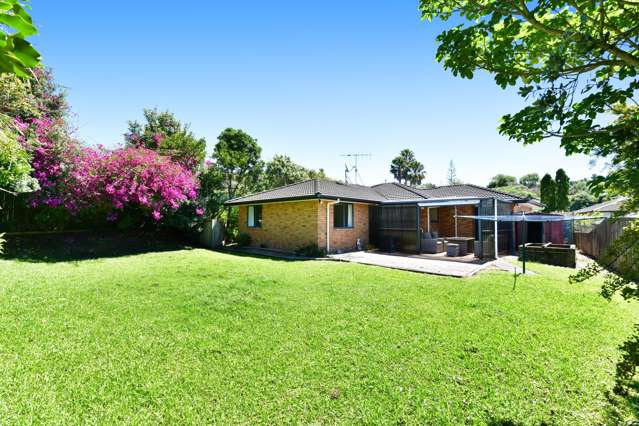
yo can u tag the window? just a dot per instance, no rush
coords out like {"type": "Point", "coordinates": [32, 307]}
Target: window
{"type": "Point", "coordinates": [434, 215]}
{"type": "Point", "coordinates": [343, 215]}
{"type": "Point", "coordinates": [254, 216]}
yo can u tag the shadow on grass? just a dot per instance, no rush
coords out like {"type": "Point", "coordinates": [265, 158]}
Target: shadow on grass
{"type": "Point", "coordinates": [65, 247]}
{"type": "Point", "coordinates": [261, 253]}
{"type": "Point", "coordinates": [623, 409]}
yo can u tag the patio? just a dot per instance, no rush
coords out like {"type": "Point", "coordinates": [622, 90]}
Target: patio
{"type": "Point", "coordinates": [427, 264]}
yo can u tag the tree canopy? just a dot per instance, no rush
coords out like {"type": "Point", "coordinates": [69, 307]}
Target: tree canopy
{"type": "Point", "coordinates": [573, 62]}
{"type": "Point", "coordinates": [281, 170]}
{"type": "Point", "coordinates": [17, 55]}
{"type": "Point", "coordinates": [237, 156]}
{"type": "Point", "coordinates": [164, 133]}
{"type": "Point", "coordinates": [529, 180]}
{"type": "Point", "coordinates": [502, 180]}
{"type": "Point", "coordinates": [451, 174]}
{"type": "Point", "coordinates": [547, 193]}
{"type": "Point", "coordinates": [406, 169]}
{"type": "Point", "coordinates": [562, 188]}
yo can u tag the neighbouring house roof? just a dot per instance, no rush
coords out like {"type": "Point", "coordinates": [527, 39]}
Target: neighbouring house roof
{"type": "Point", "coordinates": [377, 194]}
{"type": "Point", "coordinates": [611, 206]}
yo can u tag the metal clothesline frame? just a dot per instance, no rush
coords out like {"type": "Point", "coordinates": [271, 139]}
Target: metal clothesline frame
{"type": "Point", "coordinates": [524, 218]}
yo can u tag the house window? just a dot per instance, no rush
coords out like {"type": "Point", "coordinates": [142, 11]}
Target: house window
{"type": "Point", "coordinates": [343, 215]}
{"type": "Point", "coordinates": [434, 215]}
{"type": "Point", "coordinates": [254, 216]}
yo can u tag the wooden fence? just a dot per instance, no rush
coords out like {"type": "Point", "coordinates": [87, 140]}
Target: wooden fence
{"type": "Point", "coordinates": [594, 238]}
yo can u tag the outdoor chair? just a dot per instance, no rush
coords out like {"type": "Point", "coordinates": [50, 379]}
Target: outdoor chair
{"type": "Point", "coordinates": [452, 250]}
{"type": "Point", "coordinates": [431, 244]}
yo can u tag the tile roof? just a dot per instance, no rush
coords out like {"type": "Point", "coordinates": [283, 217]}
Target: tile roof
{"type": "Point", "coordinates": [385, 192]}
{"type": "Point", "coordinates": [397, 191]}
{"type": "Point", "coordinates": [466, 190]}
{"type": "Point", "coordinates": [311, 189]}
{"type": "Point", "coordinates": [611, 206]}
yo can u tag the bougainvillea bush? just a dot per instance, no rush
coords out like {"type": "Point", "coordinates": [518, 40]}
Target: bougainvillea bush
{"type": "Point", "coordinates": [76, 178]}
{"type": "Point", "coordinates": [72, 185]}
{"type": "Point", "coordinates": [131, 177]}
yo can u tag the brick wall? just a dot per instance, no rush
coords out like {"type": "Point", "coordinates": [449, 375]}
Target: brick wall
{"type": "Point", "coordinates": [446, 223]}
{"type": "Point", "coordinates": [285, 226]}
{"type": "Point", "coordinates": [289, 226]}
{"type": "Point", "coordinates": [343, 239]}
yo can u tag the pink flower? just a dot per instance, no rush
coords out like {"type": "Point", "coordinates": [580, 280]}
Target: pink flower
{"type": "Point", "coordinates": [78, 177]}
{"type": "Point", "coordinates": [199, 211]}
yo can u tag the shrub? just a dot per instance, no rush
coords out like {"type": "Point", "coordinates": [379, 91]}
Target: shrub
{"type": "Point", "coordinates": [243, 239]}
{"type": "Point", "coordinates": [77, 178]}
{"type": "Point", "coordinates": [311, 250]}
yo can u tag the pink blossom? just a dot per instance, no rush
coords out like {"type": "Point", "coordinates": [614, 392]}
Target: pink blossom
{"type": "Point", "coordinates": [78, 177]}
{"type": "Point", "coordinates": [199, 211]}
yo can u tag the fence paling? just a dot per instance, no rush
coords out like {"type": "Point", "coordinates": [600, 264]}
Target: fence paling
{"type": "Point", "coordinates": [595, 242]}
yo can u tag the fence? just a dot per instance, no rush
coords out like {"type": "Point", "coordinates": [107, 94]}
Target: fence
{"type": "Point", "coordinates": [7, 208]}
{"type": "Point", "coordinates": [594, 237]}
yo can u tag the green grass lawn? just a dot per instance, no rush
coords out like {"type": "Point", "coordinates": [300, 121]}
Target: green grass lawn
{"type": "Point", "coordinates": [194, 336]}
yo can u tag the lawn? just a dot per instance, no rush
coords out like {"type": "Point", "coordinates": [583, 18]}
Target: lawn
{"type": "Point", "coordinates": [194, 336]}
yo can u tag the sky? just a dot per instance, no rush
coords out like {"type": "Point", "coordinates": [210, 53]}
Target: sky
{"type": "Point", "coordinates": [311, 80]}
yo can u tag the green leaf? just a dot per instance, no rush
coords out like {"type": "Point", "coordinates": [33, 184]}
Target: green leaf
{"type": "Point", "coordinates": [26, 53]}
{"type": "Point", "coordinates": [18, 23]}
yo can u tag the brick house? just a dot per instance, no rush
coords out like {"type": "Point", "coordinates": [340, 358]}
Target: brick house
{"type": "Point", "coordinates": [343, 217]}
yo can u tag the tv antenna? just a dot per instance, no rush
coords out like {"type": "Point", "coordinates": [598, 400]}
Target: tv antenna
{"type": "Point", "coordinates": [356, 156]}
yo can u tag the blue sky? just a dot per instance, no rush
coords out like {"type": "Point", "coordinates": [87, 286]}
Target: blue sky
{"type": "Point", "coordinates": [312, 80]}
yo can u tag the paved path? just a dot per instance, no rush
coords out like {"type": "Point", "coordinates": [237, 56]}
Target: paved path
{"type": "Point", "coordinates": [428, 266]}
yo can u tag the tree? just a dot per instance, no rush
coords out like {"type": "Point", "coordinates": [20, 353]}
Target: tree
{"type": "Point", "coordinates": [15, 167]}
{"type": "Point", "coordinates": [281, 170]}
{"type": "Point", "coordinates": [562, 187]}
{"type": "Point", "coordinates": [547, 193]}
{"type": "Point", "coordinates": [16, 54]}
{"type": "Point", "coordinates": [237, 157]}
{"type": "Point", "coordinates": [451, 175]}
{"type": "Point", "coordinates": [530, 180]}
{"type": "Point", "coordinates": [500, 180]}
{"type": "Point", "coordinates": [581, 195]}
{"type": "Point", "coordinates": [581, 199]}
{"type": "Point", "coordinates": [26, 104]}
{"type": "Point", "coordinates": [406, 169]}
{"type": "Point", "coordinates": [164, 133]}
{"type": "Point", "coordinates": [574, 63]}
{"type": "Point", "coordinates": [416, 173]}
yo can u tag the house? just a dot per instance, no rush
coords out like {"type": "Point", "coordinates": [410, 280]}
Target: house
{"type": "Point", "coordinates": [605, 209]}
{"type": "Point", "coordinates": [529, 205]}
{"type": "Point", "coordinates": [342, 217]}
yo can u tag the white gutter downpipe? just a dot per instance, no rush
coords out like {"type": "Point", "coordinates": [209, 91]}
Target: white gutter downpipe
{"type": "Point", "coordinates": [328, 228]}
{"type": "Point", "coordinates": [496, 239]}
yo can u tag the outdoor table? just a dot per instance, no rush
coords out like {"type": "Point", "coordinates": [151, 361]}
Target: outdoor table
{"type": "Point", "coordinates": [466, 244]}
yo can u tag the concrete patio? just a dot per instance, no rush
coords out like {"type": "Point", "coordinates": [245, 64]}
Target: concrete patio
{"type": "Point", "coordinates": [413, 263]}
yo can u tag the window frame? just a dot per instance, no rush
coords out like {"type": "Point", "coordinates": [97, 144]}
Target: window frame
{"type": "Point", "coordinates": [350, 210]}
{"type": "Point", "coordinates": [257, 221]}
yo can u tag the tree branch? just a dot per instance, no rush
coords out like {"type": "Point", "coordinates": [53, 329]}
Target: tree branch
{"type": "Point", "coordinates": [621, 54]}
